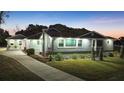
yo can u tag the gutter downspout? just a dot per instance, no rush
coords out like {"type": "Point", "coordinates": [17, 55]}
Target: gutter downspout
{"type": "Point", "coordinates": [44, 44]}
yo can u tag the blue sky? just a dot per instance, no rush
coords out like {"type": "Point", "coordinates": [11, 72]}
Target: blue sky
{"type": "Point", "coordinates": [107, 23]}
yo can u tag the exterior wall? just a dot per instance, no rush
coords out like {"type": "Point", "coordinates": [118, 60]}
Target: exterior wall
{"type": "Point", "coordinates": [14, 44]}
{"type": "Point", "coordinates": [108, 45]}
{"type": "Point", "coordinates": [48, 41]}
{"type": "Point", "coordinates": [86, 46]}
{"type": "Point", "coordinates": [35, 44]}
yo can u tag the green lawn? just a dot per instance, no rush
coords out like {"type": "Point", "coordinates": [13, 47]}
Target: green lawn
{"type": "Point", "coordinates": [11, 70]}
{"type": "Point", "coordinates": [112, 68]}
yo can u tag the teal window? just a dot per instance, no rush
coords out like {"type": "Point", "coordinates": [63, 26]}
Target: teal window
{"type": "Point", "coordinates": [79, 43]}
{"type": "Point", "coordinates": [61, 43]}
{"type": "Point", "coordinates": [70, 42]}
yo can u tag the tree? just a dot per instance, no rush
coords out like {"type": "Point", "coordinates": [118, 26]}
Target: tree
{"type": "Point", "coordinates": [65, 31]}
{"type": "Point", "coordinates": [3, 34]}
{"type": "Point", "coordinates": [122, 51]}
{"type": "Point", "coordinates": [31, 30]}
{"type": "Point", "coordinates": [121, 39]}
{"type": "Point", "coordinates": [3, 15]}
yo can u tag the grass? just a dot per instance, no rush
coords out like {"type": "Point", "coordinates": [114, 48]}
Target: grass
{"type": "Point", "coordinates": [11, 70]}
{"type": "Point", "coordinates": [112, 68]}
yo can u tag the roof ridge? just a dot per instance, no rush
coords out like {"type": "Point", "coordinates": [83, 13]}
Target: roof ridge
{"type": "Point", "coordinates": [55, 30]}
{"type": "Point", "coordinates": [92, 32]}
{"type": "Point", "coordinates": [35, 34]}
{"type": "Point", "coordinates": [86, 33]}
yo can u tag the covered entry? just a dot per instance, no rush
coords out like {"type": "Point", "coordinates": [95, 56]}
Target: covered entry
{"type": "Point", "coordinates": [15, 42]}
{"type": "Point", "coordinates": [96, 40]}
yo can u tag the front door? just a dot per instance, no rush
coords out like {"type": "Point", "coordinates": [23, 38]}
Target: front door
{"type": "Point", "coordinates": [99, 43]}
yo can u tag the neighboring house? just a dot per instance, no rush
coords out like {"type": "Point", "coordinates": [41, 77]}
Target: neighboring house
{"type": "Point", "coordinates": [56, 41]}
{"type": "Point", "coordinates": [16, 42]}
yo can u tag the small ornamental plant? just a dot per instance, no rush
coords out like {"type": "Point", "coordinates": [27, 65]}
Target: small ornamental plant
{"type": "Point", "coordinates": [59, 57]}
{"type": "Point", "coordinates": [30, 51]}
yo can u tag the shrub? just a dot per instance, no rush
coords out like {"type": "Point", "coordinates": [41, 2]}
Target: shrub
{"type": "Point", "coordinates": [24, 49]}
{"type": "Point", "coordinates": [82, 57]}
{"type": "Point", "coordinates": [30, 51]}
{"type": "Point", "coordinates": [59, 57]}
{"type": "Point", "coordinates": [15, 46]}
{"type": "Point", "coordinates": [74, 56]}
{"type": "Point", "coordinates": [110, 55]}
{"type": "Point", "coordinates": [51, 58]}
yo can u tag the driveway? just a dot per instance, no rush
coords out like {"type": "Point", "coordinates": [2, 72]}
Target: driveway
{"type": "Point", "coordinates": [42, 70]}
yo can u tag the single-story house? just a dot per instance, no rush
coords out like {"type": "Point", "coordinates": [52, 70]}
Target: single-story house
{"type": "Point", "coordinates": [54, 40]}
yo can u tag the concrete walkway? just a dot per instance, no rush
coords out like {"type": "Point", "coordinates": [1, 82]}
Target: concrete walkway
{"type": "Point", "coordinates": [42, 70]}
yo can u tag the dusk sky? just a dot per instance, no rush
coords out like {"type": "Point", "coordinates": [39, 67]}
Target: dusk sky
{"type": "Point", "coordinates": [107, 23]}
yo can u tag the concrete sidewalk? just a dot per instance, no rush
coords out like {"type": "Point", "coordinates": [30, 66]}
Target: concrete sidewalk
{"type": "Point", "coordinates": [42, 70]}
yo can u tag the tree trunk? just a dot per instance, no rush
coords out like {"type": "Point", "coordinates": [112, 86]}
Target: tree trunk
{"type": "Point", "coordinates": [122, 52]}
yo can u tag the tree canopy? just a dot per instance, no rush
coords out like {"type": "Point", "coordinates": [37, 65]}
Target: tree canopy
{"type": "Point", "coordinates": [3, 35]}
{"type": "Point", "coordinates": [34, 29]}
{"type": "Point", "coordinates": [31, 30]}
{"type": "Point", "coordinates": [3, 15]}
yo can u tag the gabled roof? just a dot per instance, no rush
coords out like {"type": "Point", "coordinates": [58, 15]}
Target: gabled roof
{"type": "Point", "coordinates": [92, 34]}
{"type": "Point", "coordinates": [111, 37]}
{"type": "Point", "coordinates": [35, 36]}
{"type": "Point", "coordinates": [19, 36]}
{"type": "Point", "coordinates": [56, 33]}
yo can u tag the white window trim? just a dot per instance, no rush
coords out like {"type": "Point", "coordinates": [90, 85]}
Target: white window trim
{"type": "Point", "coordinates": [58, 43]}
{"type": "Point", "coordinates": [81, 45]}
{"type": "Point", "coordinates": [70, 46]}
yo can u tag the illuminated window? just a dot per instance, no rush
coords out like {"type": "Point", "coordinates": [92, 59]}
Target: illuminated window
{"type": "Point", "coordinates": [79, 43]}
{"type": "Point", "coordinates": [70, 42]}
{"type": "Point", "coordinates": [61, 43]}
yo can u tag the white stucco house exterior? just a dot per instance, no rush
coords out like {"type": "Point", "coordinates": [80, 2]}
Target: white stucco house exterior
{"type": "Point", "coordinates": [16, 42]}
{"type": "Point", "coordinates": [57, 42]}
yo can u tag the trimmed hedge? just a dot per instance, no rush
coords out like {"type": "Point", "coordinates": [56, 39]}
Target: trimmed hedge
{"type": "Point", "coordinates": [30, 51]}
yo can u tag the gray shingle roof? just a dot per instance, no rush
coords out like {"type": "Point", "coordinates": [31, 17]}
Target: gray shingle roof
{"type": "Point", "coordinates": [19, 36]}
{"type": "Point", "coordinates": [56, 33]}
{"type": "Point", "coordinates": [92, 34]}
{"type": "Point", "coordinates": [35, 36]}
